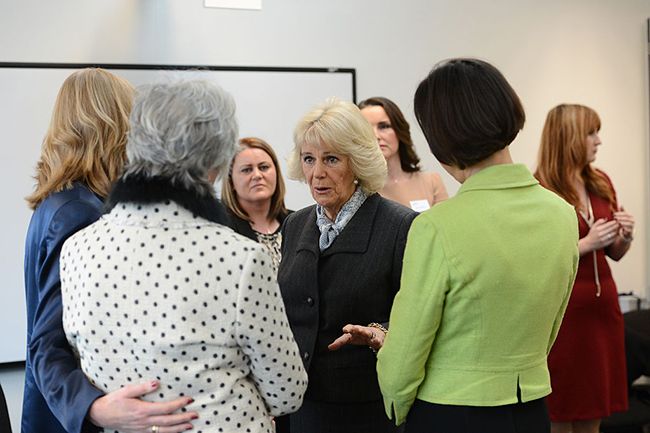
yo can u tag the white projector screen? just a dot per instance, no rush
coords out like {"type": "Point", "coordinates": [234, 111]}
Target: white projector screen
{"type": "Point", "coordinates": [269, 103]}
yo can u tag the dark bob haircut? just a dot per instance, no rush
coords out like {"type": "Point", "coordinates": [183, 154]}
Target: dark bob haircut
{"type": "Point", "coordinates": [467, 111]}
{"type": "Point", "coordinates": [408, 158]}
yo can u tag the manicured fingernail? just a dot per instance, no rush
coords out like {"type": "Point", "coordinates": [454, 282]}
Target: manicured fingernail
{"type": "Point", "coordinates": [195, 417]}
{"type": "Point", "coordinates": [190, 401]}
{"type": "Point", "coordinates": [154, 383]}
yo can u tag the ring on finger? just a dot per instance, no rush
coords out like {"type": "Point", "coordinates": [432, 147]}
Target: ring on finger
{"type": "Point", "coordinates": [154, 429]}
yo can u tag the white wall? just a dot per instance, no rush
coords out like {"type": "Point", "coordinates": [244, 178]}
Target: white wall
{"type": "Point", "coordinates": [587, 51]}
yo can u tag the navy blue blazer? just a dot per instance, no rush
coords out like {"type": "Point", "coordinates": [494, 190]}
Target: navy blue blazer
{"type": "Point", "coordinates": [57, 393]}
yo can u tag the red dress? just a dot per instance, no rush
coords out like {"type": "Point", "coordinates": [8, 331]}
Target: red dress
{"type": "Point", "coordinates": [587, 361]}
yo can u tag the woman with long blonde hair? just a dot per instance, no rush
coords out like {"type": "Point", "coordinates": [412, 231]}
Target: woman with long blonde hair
{"type": "Point", "coordinates": [587, 361]}
{"type": "Point", "coordinates": [82, 153]}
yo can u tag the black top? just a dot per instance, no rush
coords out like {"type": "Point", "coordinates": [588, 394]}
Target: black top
{"type": "Point", "coordinates": [244, 228]}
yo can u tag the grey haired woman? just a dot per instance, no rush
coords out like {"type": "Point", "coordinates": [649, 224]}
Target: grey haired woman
{"type": "Point", "coordinates": [160, 287]}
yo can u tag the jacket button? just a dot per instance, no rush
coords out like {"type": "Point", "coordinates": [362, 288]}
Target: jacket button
{"type": "Point", "coordinates": [310, 301]}
{"type": "Point", "coordinates": [305, 356]}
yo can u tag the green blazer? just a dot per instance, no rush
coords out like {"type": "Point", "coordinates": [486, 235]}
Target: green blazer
{"type": "Point", "coordinates": [486, 279]}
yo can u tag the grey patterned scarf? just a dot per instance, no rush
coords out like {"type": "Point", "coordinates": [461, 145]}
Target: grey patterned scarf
{"type": "Point", "coordinates": [330, 230]}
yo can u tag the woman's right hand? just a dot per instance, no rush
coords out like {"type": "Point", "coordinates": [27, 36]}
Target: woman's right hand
{"type": "Point", "coordinates": [359, 336]}
{"type": "Point", "coordinates": [123, 410]}
{"type": "Point", "coordinates": [601, 235]}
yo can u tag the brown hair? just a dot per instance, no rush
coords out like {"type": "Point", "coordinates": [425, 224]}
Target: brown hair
{"type": "Point", "coordinates": [408, 158]}
{"type": "Point", "coordinates": [467, 111]}
{"type": "Point", "coordinates": [86, 139]}
{"type": "Point", "coordinates": [563, 152]}
{"type": "Point", "coordinates": [229, 195]}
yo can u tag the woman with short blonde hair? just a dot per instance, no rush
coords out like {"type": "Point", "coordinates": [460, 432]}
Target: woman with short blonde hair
{"type": "Point", "coordinates": [329, 123]}
{"type": "Point", "coordinates": [340, 270]}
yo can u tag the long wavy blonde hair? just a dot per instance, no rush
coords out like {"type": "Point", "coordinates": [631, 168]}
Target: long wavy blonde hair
{"type": "Point", "coordinates": [86, 139]}
{"type": "Point", "coordinates": [563, 152]}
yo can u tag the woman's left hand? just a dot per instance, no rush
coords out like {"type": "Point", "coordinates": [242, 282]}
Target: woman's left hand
{"type": "Point", "coordinates": [360, 336]}
{"type": "Point", "coordinates": [625, 221]}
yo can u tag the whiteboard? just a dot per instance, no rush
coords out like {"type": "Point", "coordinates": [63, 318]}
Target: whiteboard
{"type": "Point", "coordinates": [269, 101]}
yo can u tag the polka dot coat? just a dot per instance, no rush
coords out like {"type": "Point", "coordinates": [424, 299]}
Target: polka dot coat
{"type": "Point", "coordinates": [153, 292]}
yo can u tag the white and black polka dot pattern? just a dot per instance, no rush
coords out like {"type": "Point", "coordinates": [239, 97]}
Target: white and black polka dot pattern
{"type": "Point", "coordinates": [152, 292]}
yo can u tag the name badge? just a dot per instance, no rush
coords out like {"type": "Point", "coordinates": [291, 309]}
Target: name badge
{"type": "Point", "coordinates": [419, 205]}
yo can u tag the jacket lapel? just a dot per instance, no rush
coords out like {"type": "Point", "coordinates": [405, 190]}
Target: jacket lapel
{"type": "Point", "coordinates": [309, 234]}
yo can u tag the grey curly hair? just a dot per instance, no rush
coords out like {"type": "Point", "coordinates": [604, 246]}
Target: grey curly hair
{"type": "Point", "coordinates": [180, 131]}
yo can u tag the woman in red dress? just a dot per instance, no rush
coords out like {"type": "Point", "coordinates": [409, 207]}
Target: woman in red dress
{"type": "Point", "coordinates": [587, 361]}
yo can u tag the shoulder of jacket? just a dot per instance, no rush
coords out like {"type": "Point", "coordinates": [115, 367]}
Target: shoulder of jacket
{"type": "Point", "coordinates": [394, 209]}
{"type": "Point", "coordinates": [300, 214]}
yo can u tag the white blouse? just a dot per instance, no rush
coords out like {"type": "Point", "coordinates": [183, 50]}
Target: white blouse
{"type": "Point", "coordinates": [153, 292]}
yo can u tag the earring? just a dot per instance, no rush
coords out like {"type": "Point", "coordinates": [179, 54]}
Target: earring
{"type": "Point", "coordinates": [356, 181]}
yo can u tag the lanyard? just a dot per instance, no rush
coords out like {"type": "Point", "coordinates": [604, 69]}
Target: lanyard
{"type": "Point", "coordinates": [590, 219]}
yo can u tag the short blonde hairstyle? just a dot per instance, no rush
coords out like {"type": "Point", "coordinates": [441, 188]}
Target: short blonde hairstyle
{"type": "Point", "coordinates": [229, 195]}
{"type": "Point", "coordinates": [86, 139]}
{"type": "Point", "coordinates": [340, 125]}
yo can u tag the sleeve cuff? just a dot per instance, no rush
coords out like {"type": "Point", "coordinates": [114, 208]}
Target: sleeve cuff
{"type": "Point", "coordinates": [87, 426]}
{"type": "Point", "coordinates": [397, 411]}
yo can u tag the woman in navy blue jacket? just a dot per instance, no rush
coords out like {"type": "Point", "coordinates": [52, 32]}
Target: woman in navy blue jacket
{"type": "Point", "coordinates": [83, 152]}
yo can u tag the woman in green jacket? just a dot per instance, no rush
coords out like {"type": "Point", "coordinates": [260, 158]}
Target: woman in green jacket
{"type": "Point", "coordinates": [486, 275]}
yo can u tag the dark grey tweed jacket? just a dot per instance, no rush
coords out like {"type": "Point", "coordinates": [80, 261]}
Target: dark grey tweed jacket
{"type": "Point", "coordinates": [353, 281]}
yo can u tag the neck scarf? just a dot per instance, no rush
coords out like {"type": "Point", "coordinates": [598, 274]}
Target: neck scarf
{"type": "Point", "coordinates": [330, 230]}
